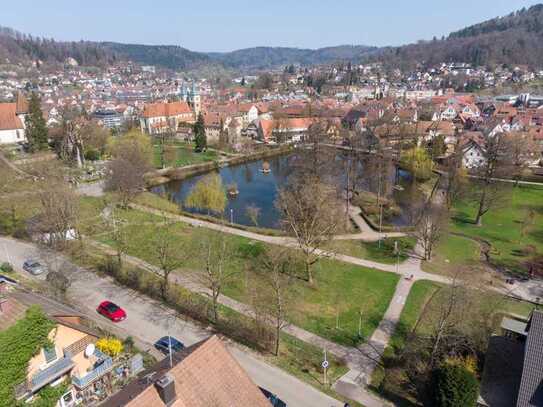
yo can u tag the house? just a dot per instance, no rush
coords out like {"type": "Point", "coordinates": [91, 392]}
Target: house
{"type": "Point", "coordinates": [290, 130]}
{"type": "Point", "coordinates": [72, 357]}
{"type": "Point", "coordinates": [12, 121]}
{"type": "Point", "coordinates": [202, 375]}
{"type": "Point", "coordinates": [472, 148]}
{"type": "Point", "coordinates": [163, 117]}
{"type": "Point", "coordinates": [513, 370]}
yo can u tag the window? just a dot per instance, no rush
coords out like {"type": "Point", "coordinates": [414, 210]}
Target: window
{"type": "Point", "coordinates": [50, 354]}
{"type": "Point", "coordinates": [67, 399]}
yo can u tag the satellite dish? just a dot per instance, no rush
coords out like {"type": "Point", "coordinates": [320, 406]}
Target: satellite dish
{"type": "Point", "coordinates": [89, 350]}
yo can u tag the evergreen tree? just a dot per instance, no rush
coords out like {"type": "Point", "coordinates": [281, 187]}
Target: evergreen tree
{"type": "Point", "coordinates": [243, 81]}
{"type": "Point", "coordinates": [36, 128]}
{"type": "Point", "coordinates": [198, 129]}
{"type": "Point", "coordinates": [454, 386]}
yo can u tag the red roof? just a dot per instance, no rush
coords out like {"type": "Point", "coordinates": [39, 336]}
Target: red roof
{"type": "Point", "coordinates": [8, 117]}
{"type": "Point", "coordinates": [166, 109]}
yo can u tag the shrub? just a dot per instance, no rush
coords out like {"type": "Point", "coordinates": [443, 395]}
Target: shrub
{"type": "Point", "coordinates": [6, 267]}
{"type": "Point", "coordinates": [128, 343]}
{"type": "Point", "coordinates": [454, 386]}
{"type": "Point", "coordinates": [251, 250]}
{"type": "Point", "coordinates": [110, 346]}
{"type": "Point", "coordinates": [92, 155]}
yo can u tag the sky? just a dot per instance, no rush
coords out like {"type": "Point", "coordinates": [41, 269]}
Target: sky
{"type": "Point", "coordinates": [226, 25]}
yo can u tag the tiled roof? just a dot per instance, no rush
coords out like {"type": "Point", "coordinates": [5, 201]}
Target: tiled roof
{"type": "Point", "coordinates": [166, 109]}
{"type": "Point", "coordinates": [205, 374]}
{"type": "Point", "coordinates": [8, 117]}
{"type": "Point", "coordinates": [531, 392]}
{"type": "Point", "coordinates": [11, 311]}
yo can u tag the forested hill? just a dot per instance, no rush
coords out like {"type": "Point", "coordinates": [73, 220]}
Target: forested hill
{"type": "Point", "coordinates": [266, 57]}
{"type": "Point", "coordinates": [16, 47]}
{"type": "Point", "coordinates": [514, 39]}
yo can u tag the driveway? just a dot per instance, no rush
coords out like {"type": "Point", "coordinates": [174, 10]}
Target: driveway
{"type": "Point", "coordinates": [148, 320]}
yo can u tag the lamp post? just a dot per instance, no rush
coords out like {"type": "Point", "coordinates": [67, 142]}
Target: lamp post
{"type": "Point", "coordinates": [380, 223]}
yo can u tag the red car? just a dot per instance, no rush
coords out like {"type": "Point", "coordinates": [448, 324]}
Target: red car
{"type": "Point", "coordinates": [111, 311]}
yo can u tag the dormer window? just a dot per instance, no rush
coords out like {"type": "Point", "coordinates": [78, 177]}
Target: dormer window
{"type": "Point", "coordinates": [50, 354]}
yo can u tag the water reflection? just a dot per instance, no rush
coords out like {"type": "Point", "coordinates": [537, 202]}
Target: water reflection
{"type": "Point", "coordinates": [259, 189]}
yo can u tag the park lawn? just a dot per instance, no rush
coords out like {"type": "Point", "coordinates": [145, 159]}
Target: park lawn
{"type": "Point", "coordinates": [501, 226]}
{"type": "Point", "coordinates": [450, 253]}
{"type": "Point", "coordinates": [185, 156]}
{"type": "Point", "coordinates": [372, 251]}
{"type": "Point", "coordinates": [339, 287]}
{"type": "Point", "coordinates": [420, 294]}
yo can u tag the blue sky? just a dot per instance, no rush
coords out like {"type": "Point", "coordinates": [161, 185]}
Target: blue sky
{"type": "Point", "coordinates": [225, 25]}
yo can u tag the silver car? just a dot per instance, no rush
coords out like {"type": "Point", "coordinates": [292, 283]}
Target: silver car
{"type": "Point", "coordinates": [34, 267]}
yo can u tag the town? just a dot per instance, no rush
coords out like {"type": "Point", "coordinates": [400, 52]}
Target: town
{"type": "Point", "coordinates": [339, 228]}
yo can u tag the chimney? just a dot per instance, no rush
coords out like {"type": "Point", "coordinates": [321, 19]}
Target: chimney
{"type": "Point", "coordinates": [166, 389]}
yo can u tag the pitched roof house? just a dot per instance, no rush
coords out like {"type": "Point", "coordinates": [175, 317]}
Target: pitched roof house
{"type": "Point", "coordinates": [202, 375]}
{"type": "Point", "coordinates": [12, 121]}
{"type": "Point", "coordinates": [163, 117]}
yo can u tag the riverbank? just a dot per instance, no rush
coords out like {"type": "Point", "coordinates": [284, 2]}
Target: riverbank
{"type": "Point", "coordinates": [163, 176]}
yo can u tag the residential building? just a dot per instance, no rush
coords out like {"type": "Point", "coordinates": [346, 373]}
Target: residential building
{"type": "Point", "coordinates": [109, 118]}
{"type": "Point", "coordinates": [12, 121]}
{"type": "Point", "coordinates": [202, 375]}
{"type": "Point", "coordinates": [165, 117]}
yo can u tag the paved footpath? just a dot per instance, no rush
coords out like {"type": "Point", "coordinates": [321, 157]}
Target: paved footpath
{"type": "Point", "coordinates": [149, 320]}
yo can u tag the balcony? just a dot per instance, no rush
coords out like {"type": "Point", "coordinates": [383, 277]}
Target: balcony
{"type": "Point", "coordinates": [104, 365]}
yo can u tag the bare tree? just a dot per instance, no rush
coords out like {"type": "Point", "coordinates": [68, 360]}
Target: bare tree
{"type": "Point", "coordinates": [430, 228]}
{"type": "Point", "coordinates": [456, 180]}
{"type": "Point", "coordinates": [168, 252]}
{"type": "Point", "coordinates": [118, 236]}
{"type": "Point", "coordinates": [132, 158]}
{"type": "Point", "coordinates": [277, 295]}
{"type": "Point", "coordinates": [489, 193]}
{"type": "Point", "coordinates": [57, 220]}
{"type": "Point", "coordinates": [311, 213]}
{"type": "Point", "coordinates": [215, 271]}
{"type": "Point", "coordinates": [522, 150]}
{"type": "Point", "coordinates": [253, 212]}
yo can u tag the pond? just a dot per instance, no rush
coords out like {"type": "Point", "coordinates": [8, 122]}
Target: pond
{"type": "Point", "coordinates": [259, 189]}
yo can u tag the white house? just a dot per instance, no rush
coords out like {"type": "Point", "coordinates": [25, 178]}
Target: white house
{"type": "Point", "coordinates": [473, 155]}
{"type": "Point", "coordinates": [12, 121]}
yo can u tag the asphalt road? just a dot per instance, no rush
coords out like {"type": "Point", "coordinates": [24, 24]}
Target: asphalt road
{"type": "Point", "coordinates": [148, 320]}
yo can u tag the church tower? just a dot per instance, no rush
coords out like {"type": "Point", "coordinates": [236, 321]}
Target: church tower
{"type": "Point", "coordinates": [196, 101]}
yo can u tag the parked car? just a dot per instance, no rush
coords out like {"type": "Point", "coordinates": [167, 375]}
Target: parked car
{"type": "Point", "coordinates": [163, 344]}
{"type": "Point", "coordinates": [34, 267]}
{"type": "Point", "coordinates": [272, 398]}
{"type": "Point", "coordinates": [111, 311]}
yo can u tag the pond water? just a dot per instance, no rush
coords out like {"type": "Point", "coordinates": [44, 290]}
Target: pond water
{"type": "Point", "coordinates": [260, 189]}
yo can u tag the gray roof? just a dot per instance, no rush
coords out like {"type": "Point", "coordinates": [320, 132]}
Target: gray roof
{"type": "Point", "coordinates": [531, 385]}
{"type": "Point", "coordinates": [514, 325]}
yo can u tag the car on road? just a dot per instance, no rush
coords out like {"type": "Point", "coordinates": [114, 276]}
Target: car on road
{"type": "Point", "coordinates": [272, 398]}
{"type": "Point", "coordinates": [111, 311]}
{"type": "Point", "coordinates": [34, 267]}
{"type": "Point", "coordinates": [163, 344]}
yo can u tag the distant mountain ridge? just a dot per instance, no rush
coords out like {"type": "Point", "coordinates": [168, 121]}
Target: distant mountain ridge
{"type": "Point", "coordinates": [514, 39]}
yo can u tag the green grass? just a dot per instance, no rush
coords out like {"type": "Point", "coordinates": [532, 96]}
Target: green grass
{"type": "Point", "coordinates": [420, 293]}
{"type": "Point", "coordinates": [450, 253]}
{"type": "Point", "coordinates": [372, 251]}
{"type": "Point", "coordinates": [339, 287]}
{"type": "Point", "coordinates": [501, 226]}
{"type": "Point", "coordinates": [296, 357]}
{"type": "Point", "coordinates": [185, 155]}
